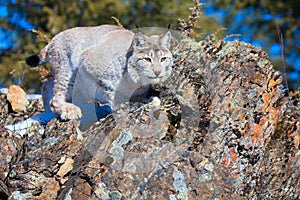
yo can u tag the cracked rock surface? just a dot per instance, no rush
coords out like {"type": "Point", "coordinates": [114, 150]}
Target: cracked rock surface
{"type": "Point", "coordinates": [224, 130]}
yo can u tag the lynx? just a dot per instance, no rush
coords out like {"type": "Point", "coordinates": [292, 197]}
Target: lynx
{"type": "Point", "coordinates": [107, 64]}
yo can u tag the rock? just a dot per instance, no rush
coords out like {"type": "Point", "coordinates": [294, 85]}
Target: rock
{"type": "Point", "coordinates": [10, 145]}
{"type": "Point", "coordinates": [17, 98]}
{"type": "Point", "coordinates": [223, 129]}
{"type": "Point", "coordinates": [9, 117]}
{"type": "Point", "coordinates": [50, 189]}
{"type": "Point", "coordinates": [66, 167]}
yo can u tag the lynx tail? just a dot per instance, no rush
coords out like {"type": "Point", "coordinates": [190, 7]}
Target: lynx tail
{"type": "Point", "coordinates": [33, 61]}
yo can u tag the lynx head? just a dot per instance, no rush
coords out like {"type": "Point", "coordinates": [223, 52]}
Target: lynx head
{"type": "Point", "coordinates": [151, 60]}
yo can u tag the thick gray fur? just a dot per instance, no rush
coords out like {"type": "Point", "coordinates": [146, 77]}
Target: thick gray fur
{"type": "Point", "coordinates": [107, 64]}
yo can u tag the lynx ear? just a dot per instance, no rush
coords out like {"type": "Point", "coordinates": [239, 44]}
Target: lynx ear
{"type": "Point", "coordinates": [139, 40]}
{"type": "Point", "coordinates": [165, 39]}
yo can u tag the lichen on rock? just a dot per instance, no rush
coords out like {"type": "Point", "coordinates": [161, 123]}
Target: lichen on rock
{"type": "Point", "coordinates": [224, 130]}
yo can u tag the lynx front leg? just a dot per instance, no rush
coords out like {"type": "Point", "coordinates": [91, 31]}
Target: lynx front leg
{"type": "Point", "coordinates": [62, 94]}
{"type": "Point", "coordinates": [66, 111]}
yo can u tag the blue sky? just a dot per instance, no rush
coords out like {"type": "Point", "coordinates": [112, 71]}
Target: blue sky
{"type": "Point", "coordinates": [3, 13]}
{"type": "Point", "coordinates": [6, 38]}
{"type": "Point", "coordinates": [248, 36]}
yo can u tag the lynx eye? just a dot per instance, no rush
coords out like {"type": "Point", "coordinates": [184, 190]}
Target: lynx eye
{"type": "Point", "coordinates": [147, 59]}
{"type": "Point", "coordinates": [163, 59]}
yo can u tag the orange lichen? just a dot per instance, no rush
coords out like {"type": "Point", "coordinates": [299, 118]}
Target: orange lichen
{"type": "Point", "coordinates": [246, 131]}
{"type": "Point", "coordinates": [240, 117]}
{"type": "Point", "coordinates": [144, 117]}
{"type": "Point", "coordinates": [230, 164]}
{"type": "Point", "coordinates": [233, 155]}
{"type": "Point", "coordinates": [297, 141]}
{"type": "Point", "coordinates": [224, 161]}
{"type": "Point", "coordinates": [266, 99]}
{"type": "Point", "coordinates": [273, 113]}
{"type": "Point", "coordinates": [257, 134]}
{"type": "Point", "coordinates": [273, 83]}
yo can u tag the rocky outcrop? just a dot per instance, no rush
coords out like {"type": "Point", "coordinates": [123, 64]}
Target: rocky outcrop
{"type": "Point", "coordinates": [224, 130]}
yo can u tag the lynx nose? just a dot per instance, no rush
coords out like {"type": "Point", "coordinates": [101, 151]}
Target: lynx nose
{"type": "Point", "coordinates": [157, 72]}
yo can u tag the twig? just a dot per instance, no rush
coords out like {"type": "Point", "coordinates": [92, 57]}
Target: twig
{"type": "Point", "coordinates": [42, 36]}
{"type": "Point", "coordinates": [196, 11]}
{"type": "Point", "coordinates": [232, 35]}
{"type": "Point", "coordinates": [280, 37]}
{"type": "Point", "coordinates": [117, 20]}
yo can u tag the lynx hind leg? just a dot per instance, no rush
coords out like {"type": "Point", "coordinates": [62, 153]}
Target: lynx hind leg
{"type": "Point", "coordinates": [47, 94]}
{"type": "Point", "coordinates": [84, 90]}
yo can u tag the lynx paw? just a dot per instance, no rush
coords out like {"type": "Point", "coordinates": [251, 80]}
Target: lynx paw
{"type": "Point", "coordinates": [155, 101]}
{"type": "Point", "coordinates": [70, 111]}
